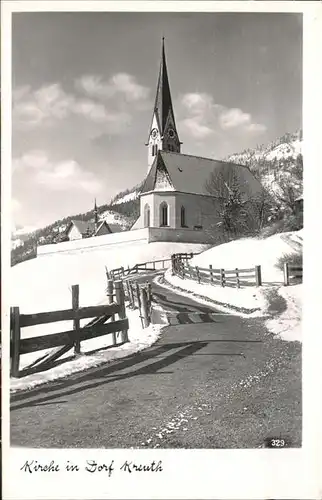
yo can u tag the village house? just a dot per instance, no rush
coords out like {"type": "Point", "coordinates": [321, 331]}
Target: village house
{"type": "Point", "coordinates": [78, 229]}
{"type": "Point", "coordinates": [179, 193]}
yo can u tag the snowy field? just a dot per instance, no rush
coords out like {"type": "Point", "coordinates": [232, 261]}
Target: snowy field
{"type": "Point", "coordinates": [44, 284]}
{"type": "Point", "coordinates": [246, 253]}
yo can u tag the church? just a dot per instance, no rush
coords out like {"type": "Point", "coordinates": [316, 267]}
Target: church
{"type": "Point", "coordinates": [178, 200]}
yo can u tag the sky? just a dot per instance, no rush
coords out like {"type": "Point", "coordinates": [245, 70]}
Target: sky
{"type": "Point", "coordinates": [84, 83]}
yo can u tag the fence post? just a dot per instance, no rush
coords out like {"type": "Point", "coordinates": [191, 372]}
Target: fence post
{"type": "Point", "coordinates": [110, 287]}
{"type": "Point", "coordinates": [15, 340]}
{"type": "Point", "coordinates": [149, 293]}
{"type": "Point", "coordinates": [237, 278]}
{"type": "Point", "coordinates": [211, 273]}
{"type": "Point", "coordinates": [145, 310]}
{"type": "Point", "coordinates": [183, 268]}
{"type": "Point", "coordinates": [138, 295]}
{"type": "Point", "coordinates": [128, 290]}
{"type": "Point", "coordinates": [258, 275]}
{"type": "Point", "coordinates": [198, 274]}
{"type": "Point", "coordinates": [107, 273]}
{"type": "Point", "coordinates": [286, 274]}
{"type": "Point", "coordinates": [76, 322]}
{"type": "Point", "coordinates": [132, 295]}
{"type": "Point", "coordinates": [119, 293]}
{"type": "Point", "coordinates": [222, 277]}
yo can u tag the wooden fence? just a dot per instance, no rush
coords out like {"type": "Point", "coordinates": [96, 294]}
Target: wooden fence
{"type": "Point", "coordinates": [122, 272]}
{"type": "Point", "coordinates": [152, 265]}
{"type": "Point", "coordinates": [66, 340]}
{"type": "Point", "coordinates": [292, 274]}
{"type": "Point", "coordinates": [139, 296]}
{"type": "Point", "coordinates": [223, 277]}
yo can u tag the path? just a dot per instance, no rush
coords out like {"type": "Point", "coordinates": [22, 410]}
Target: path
{"type": "Point", "coordinates": [191, 389]}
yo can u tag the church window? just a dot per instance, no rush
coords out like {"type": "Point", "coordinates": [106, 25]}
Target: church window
{"type": "Point", "coordinates": [183, 217]}
{"type": "Point", "coordinates": [146, 216]}
{"type": "Point", "coordinates": [164, 214]}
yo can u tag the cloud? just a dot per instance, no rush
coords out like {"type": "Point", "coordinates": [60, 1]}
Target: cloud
{"type": "Point", "coordinates": [51, 104]}
{"type": "Point", "coordinates": [121, 84]}
{"type": "Point", "coordinates": [65, 175]}
{"type": "Point", "coordinates": [196, 128]}
{"type": "Point", "coordinates": [201, 117]}
{"type": "Point", "coordinates": [235, 118]}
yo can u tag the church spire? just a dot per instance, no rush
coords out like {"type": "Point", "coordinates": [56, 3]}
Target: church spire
{"type": "Point", "coordinates": [95, 215]}
{"type": "Point", "coordinates": [163, 102]}
{"type": "Point", "coordinates": [163, 133]}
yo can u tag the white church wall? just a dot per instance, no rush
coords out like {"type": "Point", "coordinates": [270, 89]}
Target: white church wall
{"type": "Point", "coordinates": [182, 235]}
{"type": "Point", "coordinates": [95, 242]}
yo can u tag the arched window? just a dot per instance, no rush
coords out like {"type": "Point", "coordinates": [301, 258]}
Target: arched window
{"type": "Point", "coordinates": [146, 216]}
{"type": "Point", "coordinates": [154, 149]}
{"type": "Point", "coordinates": [183, 217]}
{"type": "Point", "coordinates": [164, 214]}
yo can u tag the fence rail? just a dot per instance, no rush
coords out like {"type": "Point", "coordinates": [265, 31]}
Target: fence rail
{"type": "Point", "coordinates": [223, 277]}
{"type": "Point", "coordinates": [97, 327]}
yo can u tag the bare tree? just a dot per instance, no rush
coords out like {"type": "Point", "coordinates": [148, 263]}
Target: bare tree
{"type": "Point", "coordinates": [229, 202]}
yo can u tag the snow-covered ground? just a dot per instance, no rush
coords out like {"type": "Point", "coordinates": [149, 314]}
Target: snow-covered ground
{"type": "Point", "coordinates": [127, 197]}
{"type": "Point", "coordinates": [244, 254]}
{"type": "Point", "coordinates": [288, 324]}
{"type": "Point", "coordinates": [281, 151]}
{"type": "Point", "coordinates": [44, 284]}
{"type": "Point", "coordinates": [249, 252]}
{"type": "Point", "coordinates": [112, 217]}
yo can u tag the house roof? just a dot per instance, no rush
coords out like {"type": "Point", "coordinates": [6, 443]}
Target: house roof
{"type": "Point", "coordinates": [88, 227]}
{"type": "Point", "coordinates": [84, 227]}
{"type": "Point", "coordinates": [114, 228]}
{"type": "Point", "coordinates": [190, 174]}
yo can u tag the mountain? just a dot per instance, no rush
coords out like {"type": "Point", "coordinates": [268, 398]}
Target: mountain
{"type": "Point", "coordinates": [278, 165]}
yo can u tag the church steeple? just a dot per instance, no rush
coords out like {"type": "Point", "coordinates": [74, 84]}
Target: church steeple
{"type": "Point", "coordinates": [163, 132]}
{"type": "Point", "coordinates": [95, 216]}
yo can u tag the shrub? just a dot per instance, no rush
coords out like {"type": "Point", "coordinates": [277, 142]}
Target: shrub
{"type": "Point", "coordinates": [294, 259]}
{"type": "Point", "coordinates": [290, 223]}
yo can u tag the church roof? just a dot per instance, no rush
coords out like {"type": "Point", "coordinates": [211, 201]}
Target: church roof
{"type": "Point", "coordinates": [163, 102]}
{"type": "Point", "coordinates": [190, 174]}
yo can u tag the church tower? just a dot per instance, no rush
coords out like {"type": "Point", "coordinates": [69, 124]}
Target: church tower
{"type": "Point", "coordinates": [163, 133]}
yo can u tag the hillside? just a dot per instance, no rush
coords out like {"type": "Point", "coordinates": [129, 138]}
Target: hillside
{"type": "Point", "coordinates": [277, 164]}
